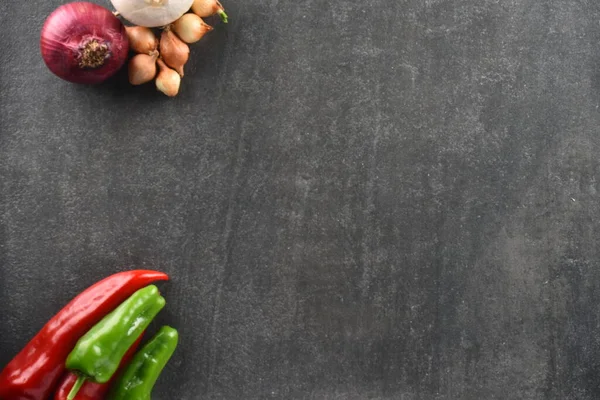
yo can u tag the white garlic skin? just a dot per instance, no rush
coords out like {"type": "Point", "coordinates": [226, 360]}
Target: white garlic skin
{"type": "Point", "coordinates": [152, 13]}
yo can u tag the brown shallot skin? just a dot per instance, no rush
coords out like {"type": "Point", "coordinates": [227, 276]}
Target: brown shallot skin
{"type": "Point", "coordinates": [174, 51]}
{"type": "Point", "coordinates": [141, 39]}
{"type": "Point", "coordinates": [142, 68]}
{"type": "Point", "coordinates": [190, 28]}
{"type": "Point", "coordinates": [207, 8]}
{"type": "Point", "coordinates": [168, 81]}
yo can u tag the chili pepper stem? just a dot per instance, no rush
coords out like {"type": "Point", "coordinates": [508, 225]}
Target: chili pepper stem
{"type": "Point", "coordinates": [78, 384]}
{"type": "Point", "coordinates": [223, 16]}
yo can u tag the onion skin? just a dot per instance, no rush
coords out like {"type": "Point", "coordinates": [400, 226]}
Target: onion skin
{"type": "Point", "coordinates": [141, 39]}
{"type": "Point", "coordinates": [174, 51]}
{"type": "Point", "coordinates": [168, 80]}
{"type": "Point", "coordinates": [83, 43]}
{"type": "Point", "coordinates": [142, 68]}
{"type": "Point", "coordinates": [208, 8]}
{"type": "Point", "coordinates": [190, 28]}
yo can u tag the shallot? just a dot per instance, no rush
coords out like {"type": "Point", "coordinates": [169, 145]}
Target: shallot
{"type": "Point", "coordinates": [207, 8]}
{"type": "Point", "coordinates": [142, 68]}
{"type": "Point", "coordinates": [174, 51]}
{"type": "Point", "coordinates": [190, 28]}
{"type": "Point", "coordinates": [168, 80]}
{"type": "Point", "coordinates": [141, 39]}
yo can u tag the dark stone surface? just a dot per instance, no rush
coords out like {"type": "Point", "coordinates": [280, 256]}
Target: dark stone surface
{"type": "Point", "coordinates": [355, 199]}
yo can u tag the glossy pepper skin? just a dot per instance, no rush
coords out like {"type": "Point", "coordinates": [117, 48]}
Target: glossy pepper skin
{"type": "Point", "coordinates": [35, 371]}
{"type": "Point", "coordinates": [98, 353]}
{"type": "Point", "coordinates": [92, 390]}
{"type": "Point", "coordinates": [138, 379]}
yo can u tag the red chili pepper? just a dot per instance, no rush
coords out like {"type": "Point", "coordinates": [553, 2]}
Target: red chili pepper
{"type": "Point", "coordinates": [92, 390]}
{"type": "Point", "coordinates": [35, 371]}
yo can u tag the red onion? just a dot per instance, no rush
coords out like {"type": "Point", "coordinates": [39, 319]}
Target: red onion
{"type": "Point", "coordinates": [84, 43]}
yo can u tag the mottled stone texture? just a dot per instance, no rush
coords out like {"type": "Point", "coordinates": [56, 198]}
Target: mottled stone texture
{"type": "Point", "coordinates": [355, 199]}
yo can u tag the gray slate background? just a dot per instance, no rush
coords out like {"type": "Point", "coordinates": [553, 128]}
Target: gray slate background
{"type": "Point", "coordinates": [355, 199]}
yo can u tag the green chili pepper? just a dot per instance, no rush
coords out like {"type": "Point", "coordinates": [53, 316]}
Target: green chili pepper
{"type": "Point", "coordinates": [139, 377]}
{"type": "Point", "coordinates": [97, 354]}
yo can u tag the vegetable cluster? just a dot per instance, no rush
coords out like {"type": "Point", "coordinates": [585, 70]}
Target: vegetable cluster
{"type": "Point", "coordinates": [85, 43]}
{"type": "Point", "coordinates": [88, 350]}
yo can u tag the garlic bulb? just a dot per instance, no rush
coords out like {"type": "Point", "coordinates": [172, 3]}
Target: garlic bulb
{"type": "Point", "coordinates": [152, 13]}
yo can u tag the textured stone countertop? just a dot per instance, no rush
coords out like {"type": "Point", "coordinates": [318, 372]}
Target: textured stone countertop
{"type": "Point", "coordinates": [355, 199]}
